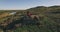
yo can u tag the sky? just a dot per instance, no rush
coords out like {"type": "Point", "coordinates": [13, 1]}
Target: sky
{"type": "Point", "coordinates": [25, 4]}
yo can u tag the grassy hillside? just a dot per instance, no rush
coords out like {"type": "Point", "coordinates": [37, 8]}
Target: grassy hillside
{"type": "Point", "coordinates": [49, 23]}
{"type": "Point", "coordinates": [49, 19]}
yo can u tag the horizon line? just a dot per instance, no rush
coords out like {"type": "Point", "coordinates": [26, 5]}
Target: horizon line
{"type": "Point", "coordinates": [29, 8]}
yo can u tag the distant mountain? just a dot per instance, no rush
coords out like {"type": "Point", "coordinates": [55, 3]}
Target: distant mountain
{"type": "Point", "coordinates": [44, 9]}
{"type": "Point", "coordinates": [54, 6]}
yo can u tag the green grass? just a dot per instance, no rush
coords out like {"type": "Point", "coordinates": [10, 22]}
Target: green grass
{"type": "Point", "coordinates": [47, 26]}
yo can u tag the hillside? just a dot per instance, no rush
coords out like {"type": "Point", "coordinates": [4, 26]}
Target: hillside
{"type": "Point", "coordinates": [52, 11]}
{"type": "Point", "coordinates": [49, 19]}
